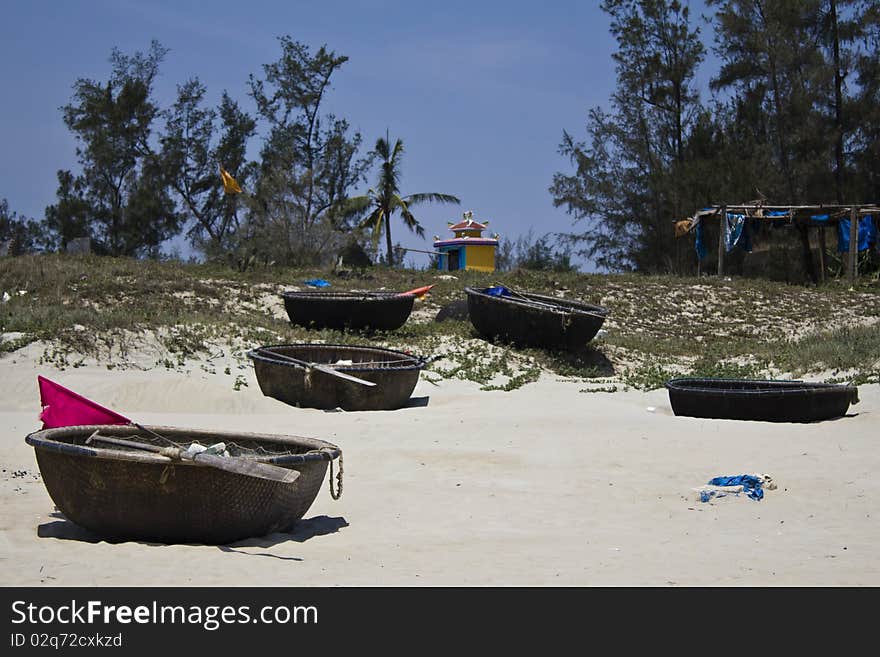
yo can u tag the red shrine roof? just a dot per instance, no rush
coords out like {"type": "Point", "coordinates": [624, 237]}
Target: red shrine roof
{"type": "Point", "coordinates": [468, 224]}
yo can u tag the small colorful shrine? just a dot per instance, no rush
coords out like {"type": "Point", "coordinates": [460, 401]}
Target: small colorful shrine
{"type": "Point", "coordinates": [468, 249]}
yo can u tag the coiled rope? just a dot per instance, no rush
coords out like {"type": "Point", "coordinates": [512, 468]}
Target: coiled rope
{"type": "Point", "coordinates": [335, 495]}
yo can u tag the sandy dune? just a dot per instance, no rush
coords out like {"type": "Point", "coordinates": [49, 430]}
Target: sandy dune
{"type": "Point", "coordinates": [544, 485]}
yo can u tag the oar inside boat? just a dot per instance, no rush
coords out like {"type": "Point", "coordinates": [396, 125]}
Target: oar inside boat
{"type": "Point", "coordinates": [395, 374]}
{"type": "Point", "coordinates": [326, 369]}
{"type": "Point", "coordinates": [234, 464]}
{"type": "Point", "coordinates": [535, 302]}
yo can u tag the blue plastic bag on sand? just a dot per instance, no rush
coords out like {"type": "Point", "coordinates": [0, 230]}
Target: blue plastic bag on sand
{"type": "Point", "coordinates": [752, 486]}
{"type": "Point", "coordinates": [317, 282]}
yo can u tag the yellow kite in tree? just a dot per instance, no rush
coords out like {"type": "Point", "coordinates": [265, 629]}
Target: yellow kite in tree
{"type": "Point", "coordinates": [229, 183]}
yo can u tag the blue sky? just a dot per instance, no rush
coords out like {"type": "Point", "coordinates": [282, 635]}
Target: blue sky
{"type": "Point", "coordinates": [480, 92]}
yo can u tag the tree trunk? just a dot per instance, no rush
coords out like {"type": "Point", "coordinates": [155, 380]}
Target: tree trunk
{"type": "Point", "coordinates": [838, 107]}
{"type": "Point", "coordinates": [388, 239]}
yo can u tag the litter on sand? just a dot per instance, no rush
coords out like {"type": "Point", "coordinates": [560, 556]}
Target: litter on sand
{"type": "Point", "coordinates": [752, 485]}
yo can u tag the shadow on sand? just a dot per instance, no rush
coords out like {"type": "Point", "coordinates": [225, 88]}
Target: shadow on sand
{"type": "Point", "coordinates": [840, 417]}
{"type": "Point", "coordinates": [302, 531]}
{"type": "Point", "coordinates": [587, 361]}
{"type": "Point", "coordinates": [63, 529]}
{"type": "Point", "coordinates": [413, 402]}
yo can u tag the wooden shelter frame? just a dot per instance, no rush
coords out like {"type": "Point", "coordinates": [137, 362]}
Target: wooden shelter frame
{"type": "Point", "coordinates": [795, 214]}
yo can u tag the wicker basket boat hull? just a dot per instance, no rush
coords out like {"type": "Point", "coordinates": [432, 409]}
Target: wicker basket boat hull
{"type": "Point", "coordinates": [567, 325]}
{"type": "Point", "coordinates": [142, 496]}
{"type": "Point", "coordinates": [373, 311]}
{"type": "Point", "coordinates": [292, 384]}
{"type": "Point", "coordinates": [770, 401]}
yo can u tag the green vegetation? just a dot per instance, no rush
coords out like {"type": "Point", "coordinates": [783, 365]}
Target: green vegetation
{"type": "Point", "coordinates": [797, 121]}
{"type": "Point", "coordinates": [111, 309]}
{"type": "Point", "coordinates": [383, 201]}
{"type": "Point", "coordinates": [794, 119]}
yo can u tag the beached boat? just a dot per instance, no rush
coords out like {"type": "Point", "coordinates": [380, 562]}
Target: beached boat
{"type": "Point", "coordinates": [288, 373]}
{"type": "Point", "coordinates": [370, 311]}
{"type": "Point", "coordinates": [536, 320]}
{"type": "Point", "coordinates": [123, 494]}
{"type": "Point", "coordinates": [750, 399]}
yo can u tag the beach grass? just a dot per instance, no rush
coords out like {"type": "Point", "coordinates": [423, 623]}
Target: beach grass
{"type": "Point", "coordinates": [81, 307]}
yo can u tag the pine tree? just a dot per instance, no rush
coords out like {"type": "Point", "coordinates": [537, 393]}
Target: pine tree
{"type": "Point", "coordinates": [629, 178]}
{"type": "Point", "coordinates": [121, 197]}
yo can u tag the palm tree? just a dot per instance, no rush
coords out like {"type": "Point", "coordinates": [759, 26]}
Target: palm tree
{"type": "Point", "coordinates": [386, 199]}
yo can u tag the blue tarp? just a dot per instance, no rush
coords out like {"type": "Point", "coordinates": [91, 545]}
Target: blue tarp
{"type": "Point", "coordinates": [736, 232]}
{"type": "Point", "coordinates": [867, 234]}
{"type": "Point", "coordinates": [317, 282]}
{"type": "Point", "coordinates": [699, 245]}
{"type": "Point", "coordinates": [498, 291]}
{"type": "Point", "coordinates": [752, 485]}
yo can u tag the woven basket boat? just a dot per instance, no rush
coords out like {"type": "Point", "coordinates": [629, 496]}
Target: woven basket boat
{"type": "Point", "coordinates": [750, 399]}
{"type": "Point", "coordinates": [395, 374]}
{"type": "Point", "coordinates": [534, 320]}
{"type": "Point", "coordinates": [123, 494]}
{"type": "Point", "coordinates": [369, 311]}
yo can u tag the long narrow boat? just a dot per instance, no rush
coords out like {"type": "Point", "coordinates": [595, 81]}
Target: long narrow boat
{"type": "Point", "coordinates": [370, 311]}
{"type": "Point", "coordinates": [528, 319]}
{"type": "Point", "coordinates": [752, 399]}
{"type": "Point", "coordinates": [284, 374]}
{"type": "Point", "coordinates": [123, 493]}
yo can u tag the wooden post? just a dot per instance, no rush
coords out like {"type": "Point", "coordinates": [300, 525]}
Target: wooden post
{"type": "Point", "coordinates": [721, 226]}
{"type": "Point", "coordinates": [853, 243]}
{"type": "Point", "coordinates": [821, 231]}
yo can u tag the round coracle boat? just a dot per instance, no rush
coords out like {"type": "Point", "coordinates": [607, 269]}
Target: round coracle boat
{"type": "Point", "coordinates": [130, 494]}
{"type": "Point", "coordinates": [367, 311]}
{"type": "Point", "coordinates": [753, 399]}
{"type": "Point", "coordinates": [297, 374]}
{"type": "Point", "coordinates": [534, 320]}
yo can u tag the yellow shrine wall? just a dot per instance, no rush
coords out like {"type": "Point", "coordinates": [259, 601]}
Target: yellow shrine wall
{"type": "Point", "coordinates": [480, 257]}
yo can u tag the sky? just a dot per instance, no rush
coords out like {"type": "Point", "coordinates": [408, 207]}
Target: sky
{"type": "Point", "coordinates": [480, 92]}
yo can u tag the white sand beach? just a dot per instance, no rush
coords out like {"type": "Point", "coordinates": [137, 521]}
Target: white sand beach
{"type": "Point", "coordinates": [544, 485]}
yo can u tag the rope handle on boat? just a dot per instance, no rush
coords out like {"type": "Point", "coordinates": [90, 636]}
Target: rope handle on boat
{"type": "Point", "coordinates": [335, 495]}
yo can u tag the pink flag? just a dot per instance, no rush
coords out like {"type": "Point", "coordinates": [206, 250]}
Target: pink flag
{"type": "Point", "coordinates": [65, 408]}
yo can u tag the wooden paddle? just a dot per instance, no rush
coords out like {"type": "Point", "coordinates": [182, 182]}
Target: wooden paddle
{"type": "Point", "coordinates": [234, 464]}
{"type": "Point", "coordinates": [316, 366]}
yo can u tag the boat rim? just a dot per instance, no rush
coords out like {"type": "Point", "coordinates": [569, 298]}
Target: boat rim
{"type": "Point", "coordinates": [319, 450]}
{"type": "Point", "coordinates": [780, 386]}
{"type": "Point", "coordinates": [414, 362]}
{"type": "Point", "coordinates": [587, 309]}
{"type": "Point", "coordinates": [344, 296]}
